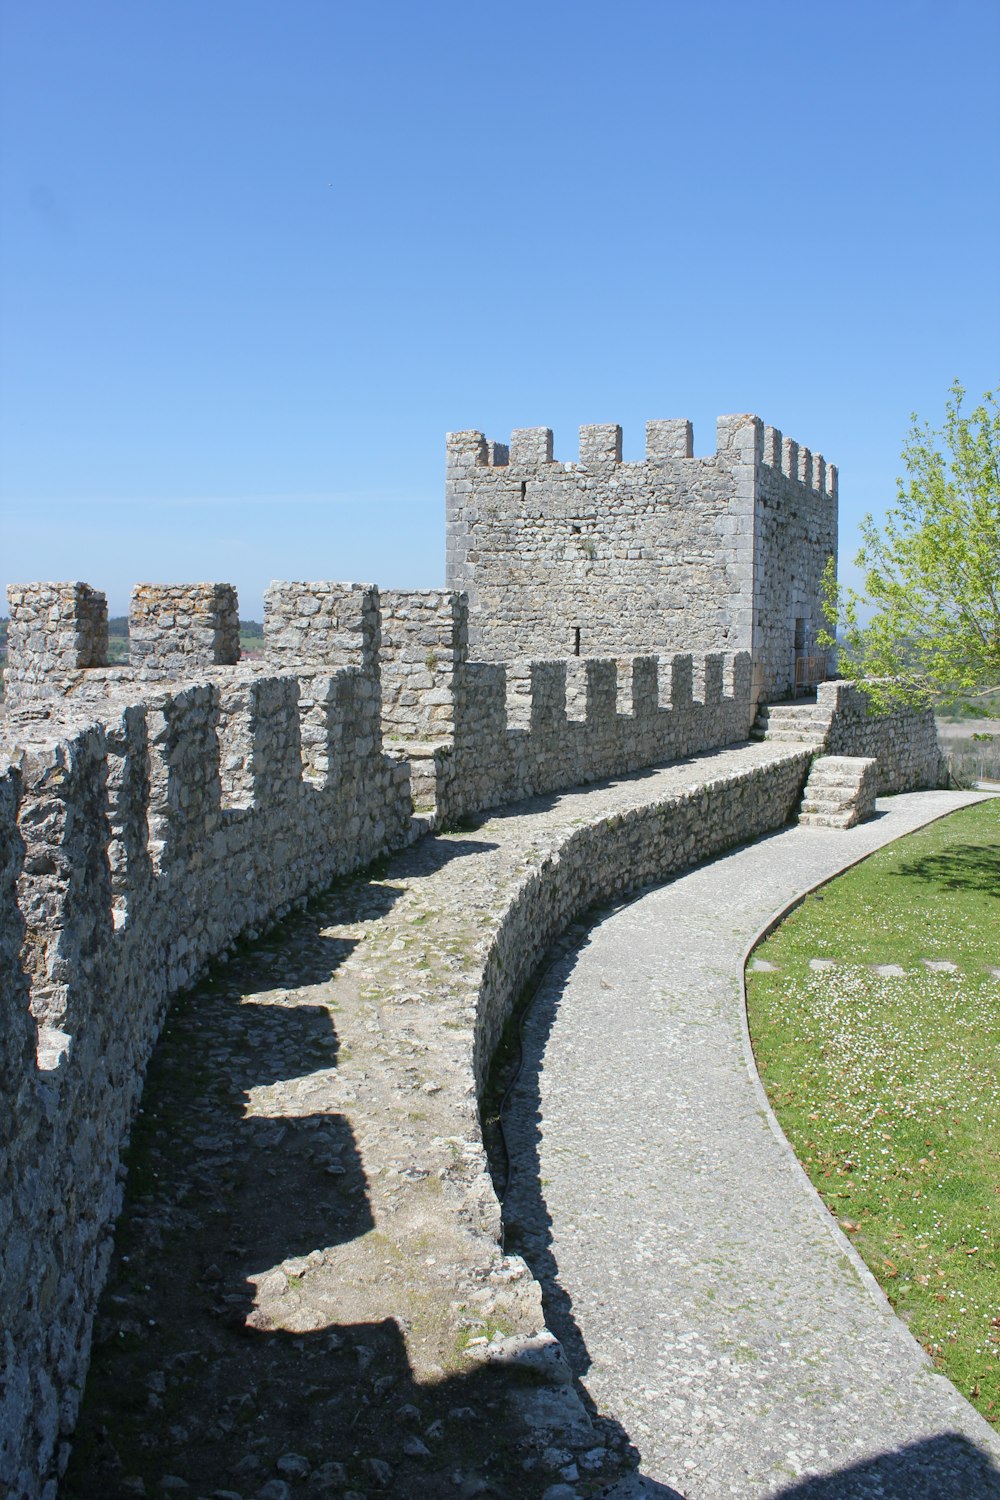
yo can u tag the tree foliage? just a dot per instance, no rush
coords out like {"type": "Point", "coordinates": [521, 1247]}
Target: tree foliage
{"type": "Point", "coordinates": [931, 571]}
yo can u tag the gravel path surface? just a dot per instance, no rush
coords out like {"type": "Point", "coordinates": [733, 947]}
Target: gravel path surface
{"type": "Point", "coordinates": [703, 1293]}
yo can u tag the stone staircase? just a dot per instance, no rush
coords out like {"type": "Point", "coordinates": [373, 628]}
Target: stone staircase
{"type": "Point", "coordinates": [840, 791]}
{"type": "Point", "coordinates": [792, 723]}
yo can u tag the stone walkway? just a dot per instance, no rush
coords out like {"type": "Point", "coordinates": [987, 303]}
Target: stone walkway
{"type": "Point", "coordinates": [307, 1296]}
{"type": "Point", "coordinates": [704, 1295]}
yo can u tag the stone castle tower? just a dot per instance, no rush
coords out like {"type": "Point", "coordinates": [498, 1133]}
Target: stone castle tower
{"type": "Point", "coordinates": [604, 558]}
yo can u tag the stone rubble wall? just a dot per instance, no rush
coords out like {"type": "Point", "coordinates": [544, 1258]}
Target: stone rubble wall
{"type": "Point", "coordinates": [482, 734]}
{"type": "Point", "coordinates": [519, 732]}
{"type": "Point", "coordinates": [132, 851]}
{"type": "Point", "coordinates": [174, 629]}
{"type": "Point", "coordinates": [55, 629]}
{"type": "Point", "coordinates": [673, 553]}
{"type": "Point", "coordinates": [796, 521]}
{"type": "Point", "coordinates": [328, 624]}
{"type": "Point", "coordinates": [904, 742]}
{"type": "Point", "coordinates": [424, 645]}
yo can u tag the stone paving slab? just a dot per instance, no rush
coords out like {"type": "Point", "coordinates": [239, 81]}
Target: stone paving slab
{"type": "Point", "coordinates": [703, 1293]}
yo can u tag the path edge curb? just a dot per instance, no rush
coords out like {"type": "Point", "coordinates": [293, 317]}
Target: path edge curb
{"type": "Point", "coordinates": [840, 1239]}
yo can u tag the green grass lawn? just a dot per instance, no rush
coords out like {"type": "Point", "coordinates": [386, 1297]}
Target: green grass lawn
{"type": "Point", "coordinates": [887, 1086]}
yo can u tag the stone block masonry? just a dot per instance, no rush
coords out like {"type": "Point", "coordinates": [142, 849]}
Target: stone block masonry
{"type": "Point", "coordinates": [335, 624]}
{"type": "Point", "coordinates": [176, 628]}
{"type": "Point", "coordinates": [600, 618]}
{"type": "Point", "coordinates": [676, 553]}
{"type": "Point", "coordinates": [55, 629]}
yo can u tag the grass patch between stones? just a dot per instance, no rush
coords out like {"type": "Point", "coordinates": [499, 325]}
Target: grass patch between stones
{"type": "Point", "coordinates": [886, 1085]}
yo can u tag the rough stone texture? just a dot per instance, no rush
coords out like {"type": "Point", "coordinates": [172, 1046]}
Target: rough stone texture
{"type": "Point", "coordinates": [332, 624]}
{"type": "Point", "coordinates": [176, 628]}
{"type": "Point", "coordinates": [841, 722]}
{"type": "Point", "coordinates": [674, 553]}
{"type": "Point", "coordinates": [527, 727]}
{"type": "Point", "coordinates": [840, 792]}
{"type": "Point", "coordinates": [904, 742]}
{"type": "Point", "coordinates": [56, 629]}
{"type": "Point", "coordinates": [424, 646]}
{"type": "Point", "coordinates": [795, 523]}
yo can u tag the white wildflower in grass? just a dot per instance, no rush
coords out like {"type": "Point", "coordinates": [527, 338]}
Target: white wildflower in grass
{"type": "Point", "coordinates": [886, 1085]}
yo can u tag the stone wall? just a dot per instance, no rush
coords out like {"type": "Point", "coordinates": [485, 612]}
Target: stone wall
{"type": "Point", "coordinates": [796, 520]}
{"type": "Point", "coordinates": [518, 732]}
{"type": "Point", "coordinates": [176, 628]}
{"type": "Point", "coordinates": [424, 646]}
{"type": "Point", "coordinates": [904, 742]}
{"type": "Point", "coordinates": [596, 557]}
{"type": "Point", "coordinates": [601, 557]}
{"type": "Point", "coordinates": [56, 629]}
{"type": "Point", "coordinates": [131, 852]}
{"type": "Point", "coordinates": [329, 624]}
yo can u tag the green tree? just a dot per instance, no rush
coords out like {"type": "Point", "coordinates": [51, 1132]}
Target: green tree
{"type": "Point", "coordinates": [931, 594]}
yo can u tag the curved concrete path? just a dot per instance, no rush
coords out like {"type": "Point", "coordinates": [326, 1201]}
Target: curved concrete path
{"type": "Point", "coordinates": [704, 1294]}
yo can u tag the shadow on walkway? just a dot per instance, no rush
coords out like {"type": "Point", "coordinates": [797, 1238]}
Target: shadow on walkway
{"type": "Point", "coordinates": [947, 1467]}
{"type": "Point", "coordinates": [192, 1391]}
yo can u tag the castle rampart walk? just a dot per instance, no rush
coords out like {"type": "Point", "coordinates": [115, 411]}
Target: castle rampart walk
{"type": "Point", "coordinates": [703, 1293]}
{"type": "Point", "coordinates": [329, 1193]}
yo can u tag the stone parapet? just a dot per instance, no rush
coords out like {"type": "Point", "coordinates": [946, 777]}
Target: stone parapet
{"type": "Point", "coordinates": [56, 630]}
{"type": "Point", "coordinates": [322, 624]}
{"type": "Point", "coordinates": [176, 628]}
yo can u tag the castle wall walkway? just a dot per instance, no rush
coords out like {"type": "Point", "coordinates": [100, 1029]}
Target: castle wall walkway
{"type": "Point", "coordinates": [702, 1292]}
{"type": "Point", "coordinates": [405, 984]}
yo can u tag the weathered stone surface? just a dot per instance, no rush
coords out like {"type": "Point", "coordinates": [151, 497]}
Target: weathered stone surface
{"type": "Point", "coordinates": [840, 791]}
{"type": "Point", "coordinates": [153, 813]}
{"type": "Point", "coordinates": [674, 553]}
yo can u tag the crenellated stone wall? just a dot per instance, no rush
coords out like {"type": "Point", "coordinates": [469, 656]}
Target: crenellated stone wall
{"type": "Point", "coordinates": [132, 850]}
{"type": "Point", "coordinates": [674, 553]}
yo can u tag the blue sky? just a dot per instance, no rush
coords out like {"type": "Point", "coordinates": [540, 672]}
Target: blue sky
{"type": "Point", "coordinates": [256, 260]}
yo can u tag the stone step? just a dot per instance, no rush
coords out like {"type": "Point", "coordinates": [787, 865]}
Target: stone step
{"type": "Point", "coordinates": [840, 791]}
{"type": "Point", "coordinates": [822, 805]}
{"type": "Point", "coordinates": [793, 736]}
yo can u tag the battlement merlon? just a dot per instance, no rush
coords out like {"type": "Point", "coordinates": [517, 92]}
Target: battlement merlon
{"type": "Point", "coordinates": [174, 627]}
{"type": "Point", "coordinates": [56, 628]}
{"type": "Point", "coordinates": [798, 463]}
{"type": "Point", "coordinates": [322, 624]}
{"type": "Point", "coordinates": [666, 438]}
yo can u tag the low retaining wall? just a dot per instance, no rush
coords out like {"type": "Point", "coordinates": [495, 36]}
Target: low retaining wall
{"type": "Point", "coordinates": [618, 854]}
{"type": "Point", "coordinates": [904, 742]}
